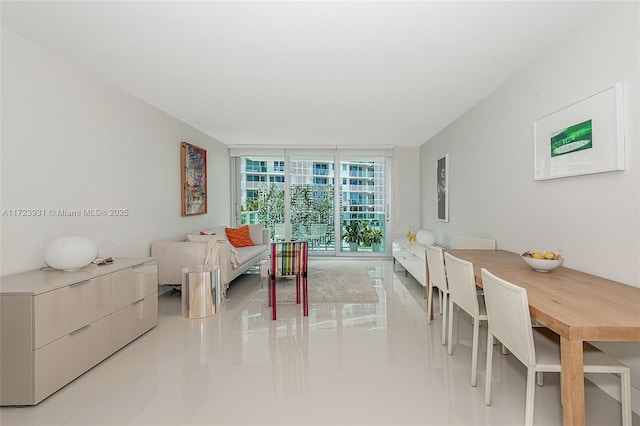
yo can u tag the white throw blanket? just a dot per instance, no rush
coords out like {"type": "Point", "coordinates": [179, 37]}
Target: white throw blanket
{"type": "Point", "coordinates": [221, 253]}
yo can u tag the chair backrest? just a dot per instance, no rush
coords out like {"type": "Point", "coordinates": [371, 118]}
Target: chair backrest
{"type": "Point", "coordinates": [435, 263]}
{"type": "Point", "coordinates": [289, 257]}
{"type": "Point", "coordinates": [475, 243]}
{"type": "Point", "coordinates": [462, 285]}
{"type": "Point", "coordinates": [508, 316]}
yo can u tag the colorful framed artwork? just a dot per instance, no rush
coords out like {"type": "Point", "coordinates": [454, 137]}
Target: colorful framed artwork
{"type": "Point", "coordinates": [583, 138]}
{"type": "Point", "coordinates": [442, 187]}
{"type": "Point", "coordinates": [193, 162]}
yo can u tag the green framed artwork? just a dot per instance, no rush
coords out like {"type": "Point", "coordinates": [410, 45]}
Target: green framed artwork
{"type": "Point", "coordinates": [572, 139]}
{"type": "Point", "coordinates": [583, 138]}
{"type": "Point", "coordinates": [193, 163]}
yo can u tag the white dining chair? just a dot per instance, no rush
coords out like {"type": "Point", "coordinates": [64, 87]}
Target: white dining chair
{"type": "Point", "coordinates": [537, 348]}
{"type": "Point", "coordinates": [462, 292]}
{"type": "Point", "coordinates": [475, 243]}
{"type": "Point", "coordinates": [437, 278]}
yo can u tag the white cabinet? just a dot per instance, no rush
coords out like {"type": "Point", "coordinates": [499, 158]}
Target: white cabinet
{"type": "Point", "coordinates": [412, 257]}
{"type": "Point", "coordinates": [56, 325]}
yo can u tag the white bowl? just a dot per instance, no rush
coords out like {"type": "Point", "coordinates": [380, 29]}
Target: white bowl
{"type": "Point", "coordinates": [542, 265]}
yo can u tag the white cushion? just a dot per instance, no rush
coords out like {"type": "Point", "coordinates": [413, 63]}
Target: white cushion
{"type": "Point", "coordinates": [219, 231]}
{"type": "Point", "coordinates": [246, 253]}
{"type": "Point", "coordinates": [197, 238]}
{"type": "Point", "coordinates": [255, 233]}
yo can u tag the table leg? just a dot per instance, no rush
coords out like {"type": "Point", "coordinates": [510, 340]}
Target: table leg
{"type": "Point", "coordinates": [573, 412]}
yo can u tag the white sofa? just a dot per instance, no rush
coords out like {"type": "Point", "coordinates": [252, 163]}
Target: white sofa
{"type": "Point", "coordinates": [172, 256]}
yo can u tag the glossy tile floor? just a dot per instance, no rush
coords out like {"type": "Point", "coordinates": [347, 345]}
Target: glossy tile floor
{"type": "Point", "coordinates": [346, 364]}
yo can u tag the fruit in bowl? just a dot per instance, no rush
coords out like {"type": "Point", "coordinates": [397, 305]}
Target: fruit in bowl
{"type": "Point", "coordinates": [542, 261]}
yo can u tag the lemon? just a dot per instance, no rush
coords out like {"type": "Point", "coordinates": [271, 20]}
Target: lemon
{"type": "Point", "coordinates": [550, 255]}
{"type": "Point", "coordinates": [537, 255]}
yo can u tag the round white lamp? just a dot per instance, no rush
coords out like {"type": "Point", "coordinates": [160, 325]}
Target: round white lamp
{"type": "Point", "coordinates": [70, 253]}
{"type": "Point", "coordinates": [426, 237]}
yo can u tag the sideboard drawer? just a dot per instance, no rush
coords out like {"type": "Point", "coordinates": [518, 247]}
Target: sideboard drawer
{"type": "Point", "coordinates": [61, 311]}
{"type": "Point", "coordinates": [134, 284]}
{"type": "Point", "coordinates": [417, 268]}
{"type": "Point", "coordinates": [134, 320]}
{"type": "Point", "coordinates": [59, 362]}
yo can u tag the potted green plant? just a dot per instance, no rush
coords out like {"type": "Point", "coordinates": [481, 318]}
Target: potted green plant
{"type": "Point", "coordinates": [354, 235]}
{"type": "Point", "coordinates": [374, 236]}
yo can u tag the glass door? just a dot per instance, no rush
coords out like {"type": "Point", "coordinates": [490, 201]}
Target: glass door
{"type": "Point", "coordinates": [311, 202]}
{"type": "Point", "coordinates": [262, 193]}
{"type": "Point", "coordinates": [363, 205]}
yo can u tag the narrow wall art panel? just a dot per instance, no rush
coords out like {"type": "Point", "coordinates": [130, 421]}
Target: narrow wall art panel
{"type": "Point", "coordinates": [193, 162]}
{"type": "Point", "coordinates": [442, 182]}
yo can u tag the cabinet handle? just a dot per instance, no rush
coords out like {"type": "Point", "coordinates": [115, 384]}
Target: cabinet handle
{"type": "Point", "coordinates": [81, 329]}
{"type": "Point", "coordinates": [137, 301]}
{"type": "Point", "coordinates": [80, 283]}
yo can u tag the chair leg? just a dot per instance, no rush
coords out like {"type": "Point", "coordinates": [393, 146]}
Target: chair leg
{"type": "Point", "coordinates": [450, 331]}
{"type": "Point", "coordinates": [474, 351]}
{"type": "Point", "coordinates": [625, 396]}
{"type": "Point", "coordinates": [530, 398]}
{"type": "Point", "coordinates": [443, 339]}
{"type": "Point", "coordinates": [305, 296]}
{"type": "Point", "coordinates": [440, 295]}
{"type": "Point", "coordinates": [272, 297]}
{"type": "Point", "coordinates": [429, 302]}
{"type": "Point", "coordinates": [487, 381]}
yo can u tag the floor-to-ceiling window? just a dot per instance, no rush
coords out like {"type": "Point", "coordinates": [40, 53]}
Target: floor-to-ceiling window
{"type": "Point", "coordinates": [260, 193]}
{"type": "Point", "coordinates": [338, 203]}
{"type": "Point", "coordinates": [363, 204]}
{"type": "Point", "coordinates": [311, 196]}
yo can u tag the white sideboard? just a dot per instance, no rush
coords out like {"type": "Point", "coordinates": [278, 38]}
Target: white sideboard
{"type": "Point", "coordinates": [56, 325]}
{"type": "Point", "coordinates": [412, 257]}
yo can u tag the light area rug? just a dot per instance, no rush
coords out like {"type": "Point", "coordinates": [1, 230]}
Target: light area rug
{"type": "Point", "coordinates": [328, 281]}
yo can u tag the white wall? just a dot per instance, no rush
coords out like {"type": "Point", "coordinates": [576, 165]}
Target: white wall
{"type": "Point", "coordinates": [594, 219]}
{"type": "Point", "coordinates": [405, 191]}
{"type": "Point", "coordinates": [69, 141]}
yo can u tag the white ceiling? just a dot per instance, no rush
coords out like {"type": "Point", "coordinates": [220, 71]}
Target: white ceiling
{"type": "Point", "coordinates": [390, 73]}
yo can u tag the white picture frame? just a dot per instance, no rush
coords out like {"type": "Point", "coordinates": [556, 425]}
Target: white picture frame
{"type": "Point", "coordinates": [442, 187]}
{"type": "Point", "coordinates": [583, 138]}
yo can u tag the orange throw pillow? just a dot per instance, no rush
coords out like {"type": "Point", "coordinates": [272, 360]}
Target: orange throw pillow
{"type": "Point", "coordinates": [239, 237]}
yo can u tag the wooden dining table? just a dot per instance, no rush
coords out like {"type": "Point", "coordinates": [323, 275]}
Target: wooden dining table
{"type": "Point", "coordinates": [578, 306]}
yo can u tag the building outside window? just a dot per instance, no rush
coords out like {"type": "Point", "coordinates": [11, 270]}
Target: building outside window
{"type": "Point", "coordinates": [362, 194]}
